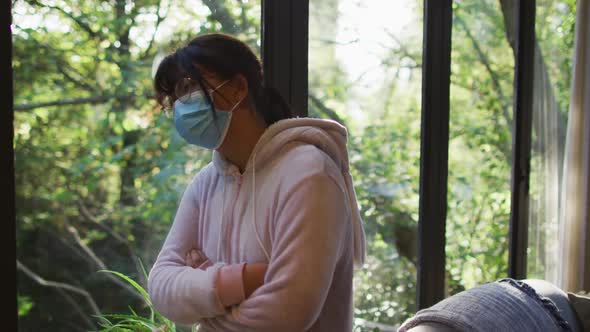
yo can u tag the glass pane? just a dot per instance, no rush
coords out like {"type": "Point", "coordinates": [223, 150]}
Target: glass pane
{"type": "Point", "coordinates": [364, 71]}
{"type": "Point", "coordinates": [480, 144]}
{"type": "Point", "coordinates": [99, 169]}
{"type": "Point", "coordinates": [553, 69]}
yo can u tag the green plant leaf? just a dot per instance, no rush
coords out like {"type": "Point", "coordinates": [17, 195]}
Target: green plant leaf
{"type": "Point", "coordinates": [132, 282]}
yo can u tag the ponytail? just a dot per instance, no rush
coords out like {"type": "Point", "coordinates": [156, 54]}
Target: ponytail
{"type": "Point", "coordinates": [276, 107]}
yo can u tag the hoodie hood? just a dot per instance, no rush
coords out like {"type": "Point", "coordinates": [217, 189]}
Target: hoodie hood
{"type": "Point", "coordinates": [328, 136]}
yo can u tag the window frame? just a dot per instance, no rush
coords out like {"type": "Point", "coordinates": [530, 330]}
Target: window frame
{"type": "Point", "coordinates": [285, 35]}
{"type": "Point", "coordinates": [434, 142]}
{"type": "Point", "coordinates": [7, 111]}
{"type": "Point", "coordinates": [521, 138]}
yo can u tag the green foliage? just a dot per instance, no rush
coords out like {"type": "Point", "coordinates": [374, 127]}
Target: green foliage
{"type": "Point", "coordinates": [24, 304]}
{"type": "Point", "coordinates": [134, 322]}
{"type": "Point", "coordinates": [100, 170]}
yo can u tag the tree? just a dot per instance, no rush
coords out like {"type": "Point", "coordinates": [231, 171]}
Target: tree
{"type": "Point", "coordinates": [99, 170]}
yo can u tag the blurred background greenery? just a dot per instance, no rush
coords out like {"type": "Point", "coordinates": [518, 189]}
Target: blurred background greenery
{"type": "Point", "coordinates": [100, 171]}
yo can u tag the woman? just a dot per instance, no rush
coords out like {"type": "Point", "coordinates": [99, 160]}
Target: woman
{"type": "Point", "coordinates": [273, 216]}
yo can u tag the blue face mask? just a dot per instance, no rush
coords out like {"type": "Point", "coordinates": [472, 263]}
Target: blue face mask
{"type": "Point", "coordinates": [195, 123]}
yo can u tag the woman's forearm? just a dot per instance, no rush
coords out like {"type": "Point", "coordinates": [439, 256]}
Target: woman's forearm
{"type": "Point", "coordinates": [253, 277]}
{"type": "Point", "coordinates": [235, 282]}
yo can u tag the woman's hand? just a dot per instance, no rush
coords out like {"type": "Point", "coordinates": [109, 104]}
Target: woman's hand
{"type": "Point", "coordinates": [197, 260]}
{"type": "Point", "coordinates": [252, 277]}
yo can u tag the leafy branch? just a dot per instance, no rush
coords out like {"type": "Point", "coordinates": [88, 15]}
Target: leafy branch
{"type": "Point", "coordinates": [59, 285]}
{"type": "Point", "coordinates": [76, 19]}
{"type": "Point", "coordinates": [78, 101]}
{"type": "Point", "coordinates": [66, 101]}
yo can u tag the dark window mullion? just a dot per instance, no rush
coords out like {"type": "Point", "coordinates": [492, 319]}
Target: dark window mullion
{"type": "Point", "coordinates": [6, 109]}
{"type": "Point", "coordinates": [284, 50]}
{"type": "Point", "coordinates": [521, 137]}
{"type": "Point", "coordinates": [434, 141]}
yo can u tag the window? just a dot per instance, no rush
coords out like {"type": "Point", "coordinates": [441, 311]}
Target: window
{"type": "Point", "coordinates": [99, 169]}
{"type": "Point", "coordinates": [365, 72]}
{"type": "Point", "coordinates": [554, 30]}
{"type": "Point", "coordinates": [480, 145]}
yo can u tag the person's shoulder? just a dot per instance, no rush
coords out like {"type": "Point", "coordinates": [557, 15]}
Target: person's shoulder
{"type": "Point", "coordinates": [203, 176]}
{"type": "Point", "coordinates": [300, 163]}
{"type": "Point", "coordinates": [306, 159]}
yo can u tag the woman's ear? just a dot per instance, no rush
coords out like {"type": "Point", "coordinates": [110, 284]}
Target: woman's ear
{"type": "Point", "coordinates": [241, 90]}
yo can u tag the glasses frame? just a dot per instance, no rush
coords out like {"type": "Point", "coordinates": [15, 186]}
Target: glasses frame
{"type": "Point", "coordinates": [168, 105]}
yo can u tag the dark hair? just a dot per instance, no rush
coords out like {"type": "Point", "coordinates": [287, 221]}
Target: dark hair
{"type": "Point", "coordinates": [225, 56]}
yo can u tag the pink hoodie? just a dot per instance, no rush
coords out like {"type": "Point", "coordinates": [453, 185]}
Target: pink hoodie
{"type": "Point", "coordinates": [294, 208]}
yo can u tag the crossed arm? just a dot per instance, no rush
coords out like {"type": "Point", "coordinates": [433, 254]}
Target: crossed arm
{"type": "Point", "coordinates": [252, 274]}
{"type": "Point", "coordinates": [310, 235]}
{"type": "Point", "coordinates": [185, 294]}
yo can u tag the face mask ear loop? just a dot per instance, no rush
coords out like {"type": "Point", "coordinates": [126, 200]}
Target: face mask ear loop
{"type": "Point", "coordinates": [254, 207]}
{"type": "Point", "coordinates": [220, 85]}
{"type": "Point", "coordinates": [210, 91]}
{"type": "Point", "coordinates": [231, 114]}
{"type": "Point", "coordinates": [221, 222]}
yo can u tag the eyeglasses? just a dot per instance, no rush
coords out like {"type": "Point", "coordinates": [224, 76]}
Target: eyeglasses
{"type": "Point", "coordinates": [187, 89]}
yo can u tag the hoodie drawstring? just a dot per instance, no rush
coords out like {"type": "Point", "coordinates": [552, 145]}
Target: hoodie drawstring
{"type": "Point", "coordinates": [253, 221]}
{"type": "Point", "coordinates": [221, 222]}
{"type": "Point", "coordinates": [328, 136]}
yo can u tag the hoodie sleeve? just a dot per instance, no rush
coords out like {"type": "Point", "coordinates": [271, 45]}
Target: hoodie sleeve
{"type": "Point", "coordinates": [181, 293]}
{"type": "Point", "coordinates": [310, 234]}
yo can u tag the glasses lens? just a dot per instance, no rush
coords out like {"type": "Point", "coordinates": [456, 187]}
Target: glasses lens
{"type": "Point", "coordinates": [186, 89]}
